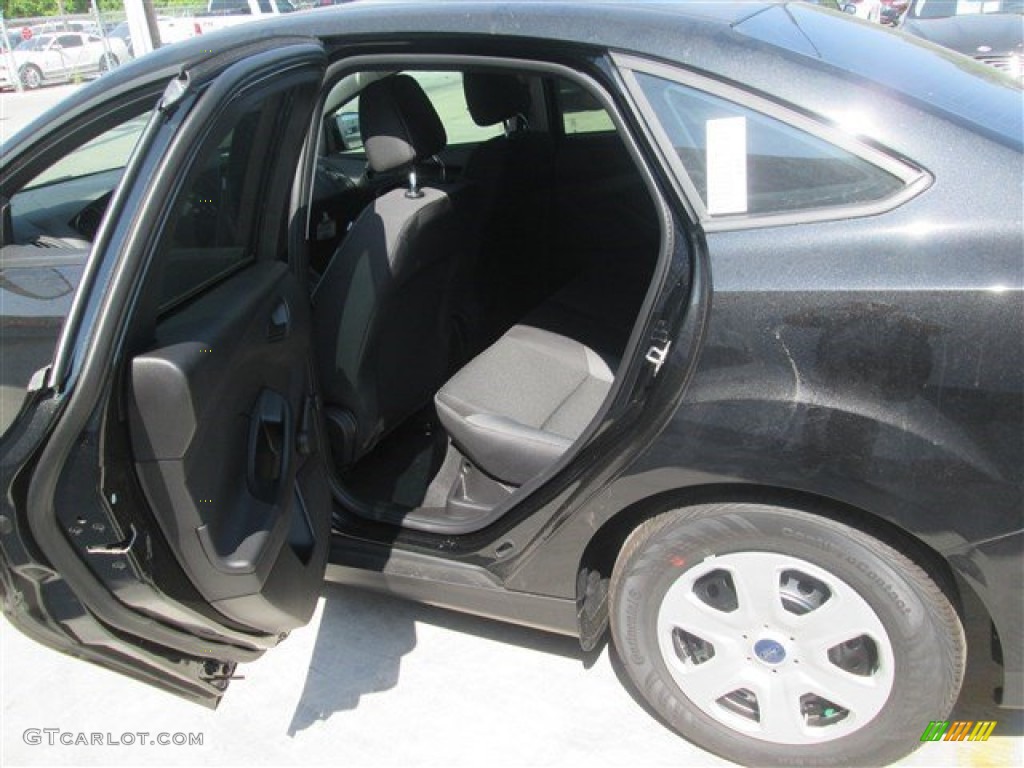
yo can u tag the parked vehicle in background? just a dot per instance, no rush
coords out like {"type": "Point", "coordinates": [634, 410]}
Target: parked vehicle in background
{"type": "Point", "coordinates": [172, 30]}
{"type": "Point", "coordinates": [248, 7]}
{"type": "Point", "coordinates": [124, 33]}
{"type": "Point", "coordinates": [870, 10]}
{"type": "Point", "coordinates": [59, 58]}
{"type": "Point", "coordinates": [991, 32]}
{"type": "Point", "coordinates": [218, 14]}
{"type": "Point", "coordinates": [53, 27]}
{"type": "Point", "coordinates": [228, 13]}
{"type": "Point", "coordinates": [10, 42]}
{"type": "Point", "coordinates": [892, 10]}
{"type": "Point", "coordinates": [832, 5]}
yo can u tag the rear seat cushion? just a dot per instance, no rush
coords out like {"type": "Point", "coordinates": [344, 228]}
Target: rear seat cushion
{"type": "Point", "coordinates": [519, 405]}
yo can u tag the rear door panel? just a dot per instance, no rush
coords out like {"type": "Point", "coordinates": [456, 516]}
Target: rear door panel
{"type": "Point", "coordinates": [173, 511]}
{"type": "Point", "coordinates": [222, 429]}
{"type": "Point", "coordinates": [220, 401]}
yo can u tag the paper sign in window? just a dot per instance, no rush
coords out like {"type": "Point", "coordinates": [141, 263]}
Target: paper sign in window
{"type": "Point", "coordinates": [727, 165]}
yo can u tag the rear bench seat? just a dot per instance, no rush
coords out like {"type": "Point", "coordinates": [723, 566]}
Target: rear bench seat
{"type": "Point", "coordinates": [517, 407]}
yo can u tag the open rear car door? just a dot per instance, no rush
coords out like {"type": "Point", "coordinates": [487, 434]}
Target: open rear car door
{"type": "Point", "coordinates": [166, 508]}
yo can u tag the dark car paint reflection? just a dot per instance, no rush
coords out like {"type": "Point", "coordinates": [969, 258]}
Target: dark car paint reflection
{"type": "Point", "coordinates": [859, 389]}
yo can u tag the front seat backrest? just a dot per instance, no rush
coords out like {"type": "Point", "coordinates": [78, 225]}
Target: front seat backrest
{"type": "Point", "coordinates": [381, 308]}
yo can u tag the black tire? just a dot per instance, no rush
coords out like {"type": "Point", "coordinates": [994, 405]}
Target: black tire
{"type": "Point", "coordinates": [31, 76]}
{"type": "Point", "coordinates": [923, 637]}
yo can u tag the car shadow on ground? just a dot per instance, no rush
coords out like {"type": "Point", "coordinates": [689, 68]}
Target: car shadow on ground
{"type": "Point", "coordinates": [363, 636]}
{"type": "Point", "coordinates": [368, 637]}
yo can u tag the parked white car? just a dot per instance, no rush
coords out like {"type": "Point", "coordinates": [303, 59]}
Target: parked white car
{"type": "Point", "coordinates": [172, 29]}
{"type": "Point", "coordinates": [61, 57]}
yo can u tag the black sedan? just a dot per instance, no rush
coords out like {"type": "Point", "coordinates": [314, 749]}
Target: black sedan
{"type": "Point", "coordinates": [701, 322]}
{"type": "Point", "coordinates": [990, 32]}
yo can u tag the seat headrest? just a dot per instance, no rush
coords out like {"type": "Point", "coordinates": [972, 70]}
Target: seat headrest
{"type": "Point", "coordinates": [398, 123]}
{"type": "Point", "coordinates": [494, 97]}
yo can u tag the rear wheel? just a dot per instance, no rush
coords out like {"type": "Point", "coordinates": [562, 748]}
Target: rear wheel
{"type": "Point", "coordinates": [771, 636]}
{"type": "Point", "coordinates": [31, 76]}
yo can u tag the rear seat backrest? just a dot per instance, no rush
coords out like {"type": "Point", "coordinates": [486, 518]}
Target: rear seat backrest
{"type": "Point", "coordinates": [514, 174]}
{"type": "Point", "coordinates": [602, 209]}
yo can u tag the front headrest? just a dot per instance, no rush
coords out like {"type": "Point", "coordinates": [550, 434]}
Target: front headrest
{"type": "Point", "coordinates": [493, 97]}
{"type": "Point", "coordinates": [398, 123]}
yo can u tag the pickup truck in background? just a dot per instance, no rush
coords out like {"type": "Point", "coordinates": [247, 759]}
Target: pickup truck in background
{"type": "Point", "coordinates": [219, 14]}
{"type": "Point", "coordinates": [228, 13]}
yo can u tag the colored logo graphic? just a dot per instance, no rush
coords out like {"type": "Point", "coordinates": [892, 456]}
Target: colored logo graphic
{"type": "Point", "coordinates": [958, 730]}
{"type": "Point", "coordinates": [769, 651]}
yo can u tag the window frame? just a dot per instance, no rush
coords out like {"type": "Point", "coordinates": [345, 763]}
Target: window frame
{"type": "Point", "coordinates": [256, 248]}
{"type": "Point", "coordinates": [915, 179]}
{"type": "Point", "coordinates": [164, 242]}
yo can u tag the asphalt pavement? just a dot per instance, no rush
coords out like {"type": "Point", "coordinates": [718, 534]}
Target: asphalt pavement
{"type": "Point", "coordinates": [18, 109]}
{"type": "Point", "coordinates": [375, 681]}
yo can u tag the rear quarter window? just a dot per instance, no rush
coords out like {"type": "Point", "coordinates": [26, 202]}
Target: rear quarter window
{"type": "Point", "coordinates": [743, 162]}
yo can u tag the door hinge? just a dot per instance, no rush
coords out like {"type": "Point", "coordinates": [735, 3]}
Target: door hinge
{"type": "Point", "coordinates": [657, 353]}
{"type": "Point", "coordinates": [219, 673]}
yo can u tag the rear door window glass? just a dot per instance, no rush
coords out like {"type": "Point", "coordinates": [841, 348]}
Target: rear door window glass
{"type": "Point", "coordinates": [217, 212]}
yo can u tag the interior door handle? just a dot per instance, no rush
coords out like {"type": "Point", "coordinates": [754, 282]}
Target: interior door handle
{"type": "Point", "coordinates": [280, 322]}
{"type": "Point", "coordinates": [270, 446]}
